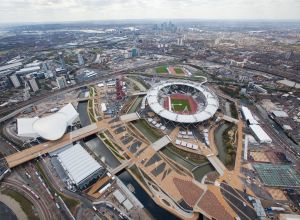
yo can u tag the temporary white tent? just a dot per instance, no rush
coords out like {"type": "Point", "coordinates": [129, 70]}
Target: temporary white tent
{"type": "Point", "coordinates": [78, 163]}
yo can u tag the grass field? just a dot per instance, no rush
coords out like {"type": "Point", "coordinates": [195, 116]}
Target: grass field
{"type": "Point", "coordinates": [161, 69]}
{"type": "Point", "coordinates": [179, 105]}
{"type": "Point", "coordinates": [178, 70]}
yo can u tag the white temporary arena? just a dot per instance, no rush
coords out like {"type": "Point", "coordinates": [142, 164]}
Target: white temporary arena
{"type": "Point", "coordinates": [79, 165]}
{"type": "Point", "coordinates": [51, 127]}
{"type": "Point", "coordinates": [203, 113]}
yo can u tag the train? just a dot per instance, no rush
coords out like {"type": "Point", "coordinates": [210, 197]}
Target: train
{"type": "Point", "coordinates": [32, 192]}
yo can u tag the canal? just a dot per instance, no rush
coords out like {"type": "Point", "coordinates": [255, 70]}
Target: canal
{"type": "Point", "coordinates": [156, 211]}
{"type": "Point", "coordinates": [83, 115]}
{"type": "Point", "coordinates": [222, 152]}
{"type": "Point", "coordinates": [135, 104]}
{"type": "Point", "coordinates": [102, 152]}
{"type": "Point", "coordinates": [202, 168]}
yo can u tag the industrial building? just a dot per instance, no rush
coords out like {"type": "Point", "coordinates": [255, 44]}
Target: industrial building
{"type": "Point", "coordinates": [51, 127]}
{"type": "Point", "coordinates": [80, 166]}
{"type": "Point", "coordinates": [33, 84]}
{"type": "Point", "coordinates": [61, 82]}
{"type": "Point", "coordinates": [255, 128]}
{"type": "Point", "coordinates": [15, 80]}
{"type": "Point", "coordinates": [260, 134]}
{"type": "Point", "coordinates": [248, 116]}
{"type": "Point", "coordinates": [28, 70]}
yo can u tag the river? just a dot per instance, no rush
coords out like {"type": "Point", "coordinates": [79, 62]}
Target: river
{"type": "Point", "coordinates": [156, 211]}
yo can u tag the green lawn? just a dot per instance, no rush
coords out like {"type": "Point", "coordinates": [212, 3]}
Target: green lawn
{"type": "Point", "coordinates": [178, 70]}
{"type": "Point", "coordinates": [161, 69]}
{"type": "Point", "coordinates": [179, 105]}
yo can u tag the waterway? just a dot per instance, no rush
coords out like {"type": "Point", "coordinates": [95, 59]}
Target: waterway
{"type": "Point", "coordinates": [156, 211]}
{"type": "Point", "coordinates": [102, 152]}
{"type": "Point", "coordinates": [219, 142]}
{"type": "Point", "coordinates": [83, 115]}
{"type": "Point", "coordinates": [135, 105]}
{"type": "Point", "coordinates": [204, 169]}
{"type": "Point", "coordinates": [146, 130]}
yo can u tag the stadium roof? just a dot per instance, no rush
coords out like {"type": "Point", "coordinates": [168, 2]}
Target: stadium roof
{"type": "Point", "coordinates": [51, 127]}
{"type": "Point", "coordinates": [78, 163]}
{"type": "Point", "coordinates": [211, 106]}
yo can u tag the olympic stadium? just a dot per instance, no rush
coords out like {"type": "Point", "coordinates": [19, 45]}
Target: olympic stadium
{"type": "Point", "coordinates": [182, 102]}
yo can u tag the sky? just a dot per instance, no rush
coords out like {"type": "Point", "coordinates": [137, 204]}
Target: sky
{"type": "Point", "coordinates": [12, 11]}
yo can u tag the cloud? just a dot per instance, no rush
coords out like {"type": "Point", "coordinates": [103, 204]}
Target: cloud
{"type": "Point", "coordinates": [64, 10]}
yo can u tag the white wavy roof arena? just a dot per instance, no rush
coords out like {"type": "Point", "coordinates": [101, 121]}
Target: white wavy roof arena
{"type": "Point", "coordinates": [78, 163]}
{"type": "Point", "coordinates": [210, 108]}
{"type": "Point", "coordinates": [51, 127]}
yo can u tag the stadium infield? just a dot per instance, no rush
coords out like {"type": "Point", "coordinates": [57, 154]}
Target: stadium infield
{"type": "Point", "coordinates": [161, 69]}
{"type": "Point", "coordinates": [180, 105]}
{"type": "Point", "coordinates": [178, 71]}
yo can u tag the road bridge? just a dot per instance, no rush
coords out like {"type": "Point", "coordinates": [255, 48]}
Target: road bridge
{"type": "Point", "coordinates": [230, 119]}
{"type": "Point", "coordinates": [217, 164]}
{"type": "Point", "coordinates": [130, 117]}
{"type": "Point", "coordinates": [159, 144]}
{"type": "Point", "coordinates": [138, 93]}
{"type": "Point", "coordinates": [121, 167]}
{"type": "Point", "coordinates": [23, 156]}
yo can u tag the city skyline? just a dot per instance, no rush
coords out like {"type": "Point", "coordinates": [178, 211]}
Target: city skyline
{"type": "Point", "coordinates": [16, 11]}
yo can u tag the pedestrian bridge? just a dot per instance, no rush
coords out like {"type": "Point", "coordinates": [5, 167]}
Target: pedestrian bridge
{"type": "Point", "coordinates": [159, 144]}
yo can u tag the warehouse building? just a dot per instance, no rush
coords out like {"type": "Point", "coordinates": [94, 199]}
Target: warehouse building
{"type": "Point", "coordinates": [260, 134]}
{"type": "Point", "coordinates": [248, 116]}
{"type": "Point", "coordinates": [80, 166]}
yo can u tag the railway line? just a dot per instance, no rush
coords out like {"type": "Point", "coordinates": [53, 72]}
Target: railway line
{"type": "Point", "coordinates": [40, 204]}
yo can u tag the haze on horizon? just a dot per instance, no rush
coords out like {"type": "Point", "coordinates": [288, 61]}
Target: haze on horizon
{"type": "Point", "coordinates": [12, 11]}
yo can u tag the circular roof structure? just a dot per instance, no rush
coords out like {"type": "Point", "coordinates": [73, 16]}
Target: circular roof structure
{"type": "Point", "coordinates": [205, 110]}
{"type": "Point", "coordinates": [51, 127]}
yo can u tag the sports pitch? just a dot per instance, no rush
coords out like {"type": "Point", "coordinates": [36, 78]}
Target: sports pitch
{"type": "Point", "coordinates": [161, 69]}
{"type": "Point", "coordinates": [180, 105]}
{"type": "Point", "coordinates": [178, 70]}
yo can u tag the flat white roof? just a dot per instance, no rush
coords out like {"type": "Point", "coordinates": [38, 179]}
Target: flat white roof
{"type": "Point", "coordinates": [248, 115]}
{"type": "Point", "coordinates": [78, 163]}
{"type": "Point", "coordinates": [119, 196]}
{"type": "Point", "coordinates": [262, 136]}
{"type": "Point", "coordinates": [127, 204]}
{"type": "Point", "coordinates": [280, 114]}
{"type": "Point", "coordinates": [212, 103]}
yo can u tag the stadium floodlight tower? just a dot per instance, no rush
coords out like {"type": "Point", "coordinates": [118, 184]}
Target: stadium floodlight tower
{"type": "Point", "coordinates": [182, 102]}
